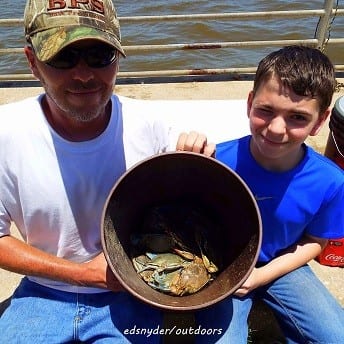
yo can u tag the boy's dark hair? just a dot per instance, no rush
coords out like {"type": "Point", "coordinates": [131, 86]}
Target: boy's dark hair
{"type": "Point", "coordinates": [307, 71]}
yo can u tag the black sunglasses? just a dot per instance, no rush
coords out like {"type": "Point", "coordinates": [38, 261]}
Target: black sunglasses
{"type": "Point", "coordinates": [95, 57]}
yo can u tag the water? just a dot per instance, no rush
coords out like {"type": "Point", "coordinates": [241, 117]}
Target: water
{"type": "Point", "coordinates": [190, 32]}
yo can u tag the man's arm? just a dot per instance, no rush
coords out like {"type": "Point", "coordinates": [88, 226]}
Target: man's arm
{"type": "Point", "coordinates": [19, 257]}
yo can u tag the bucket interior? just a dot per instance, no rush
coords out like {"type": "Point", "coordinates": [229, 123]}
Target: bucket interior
{"type": "Point", "coordinates": [197, 181]}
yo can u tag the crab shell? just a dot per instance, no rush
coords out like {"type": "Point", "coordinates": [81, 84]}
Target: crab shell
{"type": "Point", "coordinates": [187, 279]}
{"type": "Point", "coordinates": [193, 277]}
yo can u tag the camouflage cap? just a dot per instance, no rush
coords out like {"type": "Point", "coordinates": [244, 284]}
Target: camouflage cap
{"type": "Point", "coordinates": [51, 25]}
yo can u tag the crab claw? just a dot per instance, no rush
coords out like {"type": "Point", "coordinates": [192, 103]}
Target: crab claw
{"type": "Point", "coordinates": [210, 266]}
{"type": "Point", "coordinates": [185, 254]}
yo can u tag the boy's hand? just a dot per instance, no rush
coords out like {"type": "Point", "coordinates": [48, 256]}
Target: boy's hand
{"type": "Point", "coordinates": [195, 142]}
{"type": "Point", "coordinates": [250, 284]}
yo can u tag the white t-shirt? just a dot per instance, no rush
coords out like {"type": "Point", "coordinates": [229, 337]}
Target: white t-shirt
{"type": "Point", "coordinates": [54, 190]}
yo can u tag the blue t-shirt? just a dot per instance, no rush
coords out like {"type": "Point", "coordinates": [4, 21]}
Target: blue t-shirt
{"type": "Point", "coordinates": [306, 199]}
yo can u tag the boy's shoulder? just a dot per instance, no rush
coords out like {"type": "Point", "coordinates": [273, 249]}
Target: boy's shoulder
{"type": "Point", "coordinates": [232, 143]}
{"type": "Point", "coordinates": [323, 162]}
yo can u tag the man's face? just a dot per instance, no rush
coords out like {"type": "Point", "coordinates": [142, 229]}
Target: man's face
{"type": "Point", "coordinates": [80, 92]}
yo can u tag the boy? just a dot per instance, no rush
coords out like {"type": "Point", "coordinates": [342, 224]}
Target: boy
{"type": "Point", "coordinates": [299, 192]}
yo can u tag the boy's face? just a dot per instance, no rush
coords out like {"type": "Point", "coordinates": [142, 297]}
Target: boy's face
{"type": "Point", "coordinates": [280, 121]}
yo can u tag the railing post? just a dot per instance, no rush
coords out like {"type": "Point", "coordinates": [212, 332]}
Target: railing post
{"type": "Point", "coordinates": [321, 34]}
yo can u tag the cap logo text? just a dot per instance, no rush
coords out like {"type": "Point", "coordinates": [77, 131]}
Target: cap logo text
{"type": "Point", "coordinates": [94, 5]}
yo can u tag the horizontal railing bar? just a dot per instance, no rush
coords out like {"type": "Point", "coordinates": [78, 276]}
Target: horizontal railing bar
{"type": "Point", "coordinates": [168, 72]}
{"type": "Point", "coordinates": [11, 22]}
{"type": "Point", "coordinates": [178, 72]}
{"type": "Point", "coordinates": [207, 45]}
{"type": "Point", "coordinates": [6, 51]}
{"type": "Point", "coordinates": [233, 15]}
{"type": "Point", "coordinates": [213, 16]}
{"type": "Point", "coordinates": [186, 72]}
{"type": "Point", "coordinates": [182, 72]}
{"type": "Point", "coordinates": [335, 41]}
{"type": "Point", "coordinates": [17, 77]}
{"type": "Point", "coordinates": [194, 46]}
{"type": "Point", "coordinates": [216, 45]}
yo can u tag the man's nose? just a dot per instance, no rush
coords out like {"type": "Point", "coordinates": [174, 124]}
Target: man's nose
{"type": "Point", "coordinates": [82, 71]}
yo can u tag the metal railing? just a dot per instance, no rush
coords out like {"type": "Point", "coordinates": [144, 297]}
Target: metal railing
{"type": "Point", "coordinates": [321, 39]}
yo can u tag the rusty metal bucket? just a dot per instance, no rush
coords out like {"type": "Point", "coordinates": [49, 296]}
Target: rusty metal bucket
{"type": "Point", "coordinates": [192, 178]}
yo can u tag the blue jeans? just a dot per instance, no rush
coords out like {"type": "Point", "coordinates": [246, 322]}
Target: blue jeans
{"type": "Point", "coordinates": [305, 310]}
{"type": "Point", "coordinates": [39, 314]}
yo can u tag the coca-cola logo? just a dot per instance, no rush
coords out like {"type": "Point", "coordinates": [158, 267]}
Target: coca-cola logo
{"type": "Point", "coordinates": [334, 258]}
{"type": "Point", "coordinates": [335, 243]}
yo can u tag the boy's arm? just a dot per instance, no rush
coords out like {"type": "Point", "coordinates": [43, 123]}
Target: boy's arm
{"type": "Point", "coordinates": [298, 255]}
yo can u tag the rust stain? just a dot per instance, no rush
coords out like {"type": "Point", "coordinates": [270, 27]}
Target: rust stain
{"type": "Point", "coordinates": [202, 46]}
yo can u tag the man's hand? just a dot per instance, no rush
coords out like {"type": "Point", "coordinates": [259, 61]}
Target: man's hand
{"type": "Point", "coordinates": [106, 279]}
{"type": "Point", "coordinates": [195, 142]}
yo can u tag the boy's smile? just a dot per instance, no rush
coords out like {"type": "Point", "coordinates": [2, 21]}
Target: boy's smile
{"type": "Point", "coordinates": [280, 121]}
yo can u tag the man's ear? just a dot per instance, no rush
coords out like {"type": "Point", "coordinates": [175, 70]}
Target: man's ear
{"type": "Point", "coordinates": [320, 122]}
{"type": "Point", "coordinates": [31, 58]}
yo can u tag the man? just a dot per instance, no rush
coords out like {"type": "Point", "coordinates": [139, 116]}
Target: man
{"type": "Point", "coordinates": [57, 168]}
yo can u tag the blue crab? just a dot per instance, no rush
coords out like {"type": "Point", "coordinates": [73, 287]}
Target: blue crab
{"type": "Point", "coordinates": [173, 273]}
{"type": "Point", "coordinates": [162, 258]}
